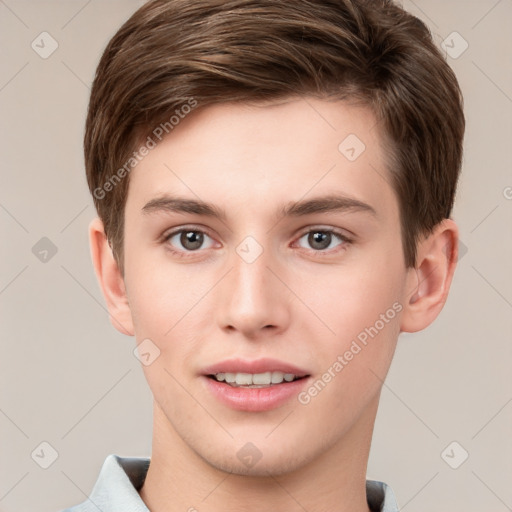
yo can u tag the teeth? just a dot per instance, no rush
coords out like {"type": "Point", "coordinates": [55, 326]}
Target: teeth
{"type": "Point", "coordinates": [277, 377]}
{"type": "Point", "coordinates": [262, 378]}
{"type": "Point", "coordinates": [243, 379]}
{"type": "Point", "coordinates": [255, 379]}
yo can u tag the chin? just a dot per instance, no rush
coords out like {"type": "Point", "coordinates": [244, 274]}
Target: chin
{"type": "Point", "coordinates": [250, 461]}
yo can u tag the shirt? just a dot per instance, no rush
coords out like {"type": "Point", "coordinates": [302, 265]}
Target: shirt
{"type": "Point", "coordinates": [120, 479]}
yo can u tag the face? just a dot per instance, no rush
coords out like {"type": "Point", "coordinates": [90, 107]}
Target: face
{"type": "Point", "coordinates": [262, 246]}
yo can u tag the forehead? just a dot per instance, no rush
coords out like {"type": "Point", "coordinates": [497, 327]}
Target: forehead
{"type": "Point", "coordinates": [261, 156]}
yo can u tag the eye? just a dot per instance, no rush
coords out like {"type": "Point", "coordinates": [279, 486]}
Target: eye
{"type": "Point", "coordinates": [323, 239]}
{"type": "Point", "coordinates": [188, 240]}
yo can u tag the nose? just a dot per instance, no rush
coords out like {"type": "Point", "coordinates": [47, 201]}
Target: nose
{"type": "Point", "coordinates": [252, 299]}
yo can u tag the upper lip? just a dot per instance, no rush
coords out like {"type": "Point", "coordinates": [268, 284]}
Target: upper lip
{"type": "Point", "coordinates": [256, 366]}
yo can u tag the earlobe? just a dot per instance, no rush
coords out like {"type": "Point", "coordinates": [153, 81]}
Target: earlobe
{"type": "Point", "coordinates": [110, 279]}
{"type": "Point", "coordinates": [429, 282]}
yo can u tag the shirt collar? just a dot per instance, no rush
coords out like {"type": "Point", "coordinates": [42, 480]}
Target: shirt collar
{"type": "Point", "coordinates": [121, 478]}
{"type": "Point", "coordinates": [118, 484]}
{"type": "Point", "coordinates": [380, 497]}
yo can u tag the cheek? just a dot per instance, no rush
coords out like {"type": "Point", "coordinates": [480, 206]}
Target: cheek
{"type": "Point", "coordinates": [363, 310]}
{"type": "Point", "coordinates": [169, 306]}
{"type": "Point", "coordinates": [362, 306]}
{"type": "Point", "coordinates": [352, 298]}
{"type": "Point", "coordinates": [159, 294]}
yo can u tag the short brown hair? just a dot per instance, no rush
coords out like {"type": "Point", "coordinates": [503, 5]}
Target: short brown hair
{"type": "Point", "coordinates": [171, 53]}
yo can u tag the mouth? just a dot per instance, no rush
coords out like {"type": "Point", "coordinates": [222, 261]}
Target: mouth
{"type": "Point", "coordinates": [254, 386]}
{"type": "Point", "coordinates": [255, 380]}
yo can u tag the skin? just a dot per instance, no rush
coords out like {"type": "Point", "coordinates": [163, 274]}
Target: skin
{"type": "Point", "coordinates": [296, 302]}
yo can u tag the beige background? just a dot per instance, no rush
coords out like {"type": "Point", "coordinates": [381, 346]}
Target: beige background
{"type": "Point", "coordinates": [68, 378]}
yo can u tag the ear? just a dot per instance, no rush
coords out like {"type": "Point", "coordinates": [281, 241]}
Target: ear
{"type": "Point", "coordinates": [429, 282]}
{"type": "Point", "coordinates": [110, 279]}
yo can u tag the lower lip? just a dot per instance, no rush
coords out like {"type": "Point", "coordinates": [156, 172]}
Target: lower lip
{"type": "Point", "coordinates": [255, 399]}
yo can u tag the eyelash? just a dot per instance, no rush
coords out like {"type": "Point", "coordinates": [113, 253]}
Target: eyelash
{"type": "Point", "coordinates": [184, 253]}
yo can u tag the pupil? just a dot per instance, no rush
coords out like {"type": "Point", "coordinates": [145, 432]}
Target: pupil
{"type": "Point", "coordinates": [191, 240]}
{"type": "Point", "coordinates": [319, 240]}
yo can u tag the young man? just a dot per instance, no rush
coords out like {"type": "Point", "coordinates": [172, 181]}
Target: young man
{"type": "Point", "coordinates": [274, 181]}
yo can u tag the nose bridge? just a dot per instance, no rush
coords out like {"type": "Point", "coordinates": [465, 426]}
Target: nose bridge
{"type": "Point", "coordinates": [252, 298]}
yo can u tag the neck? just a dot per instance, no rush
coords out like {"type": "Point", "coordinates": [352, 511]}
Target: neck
{"type": "Point", "coordinates": [178, 479]}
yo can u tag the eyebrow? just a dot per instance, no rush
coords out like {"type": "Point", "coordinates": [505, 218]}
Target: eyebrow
{"type": "Point", "coordinates": [329, 203]}
{"type": "Point", "coordinates": [324, 204]}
